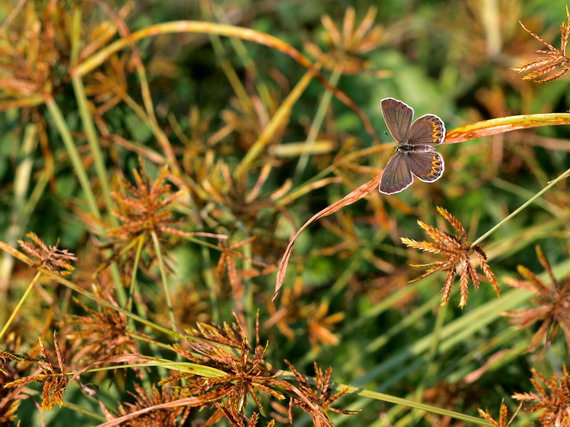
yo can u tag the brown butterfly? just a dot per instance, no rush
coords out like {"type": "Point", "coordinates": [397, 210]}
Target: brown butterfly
{"type": "Point", "coordinates": [415, 153]}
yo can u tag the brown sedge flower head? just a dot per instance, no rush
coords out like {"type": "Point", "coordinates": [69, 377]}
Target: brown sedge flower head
{"type": "Point", "coordinates": [147, 208]}
{"type": "Point", "coordinates": [503, 412]}
{"type": "Point", "coordinates": [553, 399]}
{"type": "Point", "coordinates": [10, 397]}
{"type": "Point", "coordinates": [552, 304]}
{"type": "Point", "coordinates": [27, 62]}
{"type": "Point", "coordinates": [35, 42]}
{"type": "Point", "coordinates": [553, 58]}
{"type": "Point", "coordinates": [54, 378]}
{"type": "Point", "coordinates": [226, 347]}
{"type": "Point", "coordinates": [459, 250]}
{"type": "Point", "coordinates": [46, 256]}
{"type": "Point", "coordinates": [347, 42]}
{"type": "Point", "coordinates": [316, 400]}
{"type": "Point", "coordinates": [146, 399]}
{"type": "Point", "coordinates": [99, 334]}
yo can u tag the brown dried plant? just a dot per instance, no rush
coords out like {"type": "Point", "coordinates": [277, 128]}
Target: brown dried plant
{"type": "Point", "coordinates": [459, 250]}
{"type": "Point", "coordinates": [320, 324]}
{"type": "Point", "coordinates": [147, 209]}
{"type": "Point", "coordinates": [226, 347]}
{"type": "Point", "coordinates": [346, 43]}
{"type": "Point", "coordinates": [46, 256]}
{"type": "Point", "coordinates": [99, 334]}
{"type": "Point", "coordinates": [554, 58]}
{"type": "Point", "coordinates": [227, 264]}
{"type": "Point", "coordinates": [146, 400]}
{"type": "Point", "coordinates": [54, 379]}
{"type": "Point", "coordinates": [316, 401]}
{"type": "Point", "coordinates": [552, 304]}
{"type": "Point", "coordinates": [503, 412]}
{"type": "Point", "coordinates": [10, 398]}
{"type": "Point", "coordinates": [553, 399]}
{"type": "Point", "coordinates": [26, 63]}
{"type": "Point", "coordinates": [33, 68]}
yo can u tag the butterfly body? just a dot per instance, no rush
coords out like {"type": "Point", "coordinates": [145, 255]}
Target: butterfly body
{"type": "Point", "coordinates": [407, 148]}
{"type": "Point", "coordinates": [415, 153]}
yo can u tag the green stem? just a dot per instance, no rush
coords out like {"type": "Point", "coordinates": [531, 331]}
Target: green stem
{"type": "Point", "coordinates": [74, 156]}
{"type": "Point", "coordinates": [317, 123]}
{"type": "Point", "coordinates": [357, 391]}
{"type": "Point", "coordinates": [83, 180]}
{"type": "Point", "coordinates": [163, 278]}
{"type": "Point", "coordinates": [19, 305]}
{"type": "Point", "coordinates": [93, 141]}
{"type": "Point", "coordinates": [141, 240]}
{"type": "Point", "coordinates": [523, 206]}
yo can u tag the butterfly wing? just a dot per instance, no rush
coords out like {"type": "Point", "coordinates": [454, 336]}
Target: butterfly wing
{"type": "Point", "coordinates": [397, 175]}
{"type": "Point", "coordinates": [398, 117]}
{"type": "Point", "coordinates": [427, 166]}
{"type": "Point", "coordinates": [427, 130]}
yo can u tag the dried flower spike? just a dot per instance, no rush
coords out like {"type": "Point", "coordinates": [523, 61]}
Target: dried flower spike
{"type": "Point", "coordinates": [49, 257]}
{"type": "Point", "coordinates": [553, 399]}
{"type": "Point", "coordinates": [552, 304]}
{"type": "Point", "coordinates": [226, 348]}
{"type": "Point", "coordinates": [458, 250]}
{"type": "Point", "coordinates": [147, 209]}
{"type": "Point", "coordinates": [553, 59]}
{"type": "Point", "coordinates": [316, 401]}
{"type": "Point", "coordinates": [164, 415]}
{"type": "Point", "coordinates": [502, 416]}
{"type": "Point", "coordinates": [53, 378]}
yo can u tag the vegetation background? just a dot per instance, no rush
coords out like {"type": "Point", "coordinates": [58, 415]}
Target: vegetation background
{"type": "Point", "coordinates": [177, 168]}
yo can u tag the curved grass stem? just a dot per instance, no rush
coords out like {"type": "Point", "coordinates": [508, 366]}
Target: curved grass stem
{"type": "Point", "coordinates": [522, 207]}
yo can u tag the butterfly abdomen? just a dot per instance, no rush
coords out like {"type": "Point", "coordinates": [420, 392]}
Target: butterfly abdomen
{"type": "Point", "coordinates": [415, 148]}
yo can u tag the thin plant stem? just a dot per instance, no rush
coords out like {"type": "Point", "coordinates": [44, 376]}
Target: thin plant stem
{"type": "Point", "coordinates": [357, 391]}
{"type": "Point", "coordinates": [141, 239]}
{"type": "Point", "coordinates": [522, 207]}
{"type": "Point", "coordinates": [93, 141]}
{"type": "Point", "coordinates": [164, 280]}
{"type": "Point", "coordinates": [151, 122]}
{"type": "Point", "coordinates": [317, 123]}
{"type": "Point", "coordinates": [83, 180]}
{"type": "Point", "coordinates": [74, 156]}
{"type": "Point", "coordinates": [20, 303]}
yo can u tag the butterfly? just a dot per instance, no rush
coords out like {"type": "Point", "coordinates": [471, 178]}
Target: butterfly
{"type": "Point", "coordinates": [415, 154]}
